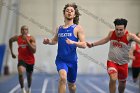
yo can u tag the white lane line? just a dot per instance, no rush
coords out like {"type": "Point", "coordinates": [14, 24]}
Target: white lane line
{"type": "Point", "coordinates": [83, 87]}
{"type": "Point", "coordinates": [44, 86]}
{"type": "Point", "coordinates": [95, 87]}
{"type": "Point", "coordinates": [17, 87]}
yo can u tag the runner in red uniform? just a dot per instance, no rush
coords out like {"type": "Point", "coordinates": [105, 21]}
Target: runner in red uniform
{"type": "Point", "coordinates": [118, 58]}
{"type": "Point", "coordinates": [26, 60]}
{"type": "Point", "coordinates": [134, 54]}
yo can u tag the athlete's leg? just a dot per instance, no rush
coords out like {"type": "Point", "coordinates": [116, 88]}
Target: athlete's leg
{"type": "Point", "coordinates": [112, 82]}
{"type": "Point", "coordinates": [62, 81]}
{"type": "Point", "coordinates": [122, 76]}
{"type": "Point", "coordinates": [135, 74]}
{"type": "Point", "coordinates": [122, 85]}
{"type": "Point", "coordinates": [20, 74]}
{"type": "Point", "coordinates": [21, 70]}
{"type": "Point", "coordinates": [113, 74]}
{"type": "Point", "coordinates": [71, 77]}
{"type": "Point", "coordinates": [29, 70]}
{"type": "Point", "coordinates": [62, 69]}
{"type": "Point", "coordinates": [29, 80]}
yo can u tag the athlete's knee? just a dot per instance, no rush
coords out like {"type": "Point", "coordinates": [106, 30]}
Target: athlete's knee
{"type": "Point", "coordinates": [20, 70]}
{"type": "Point", "coordinates": [113, 77]}
{"type": "Point", "coordinates": [29, 75]}
{"type": "Point", "coordinates": [122, 83]}
{"type": "Point", "coordinates": [20, 75]}
{"type": "Point", "coordinates": [72, 86]}
{"type": "Point", "coordinates": [63, 76]}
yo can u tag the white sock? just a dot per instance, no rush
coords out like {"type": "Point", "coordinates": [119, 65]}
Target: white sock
{"type": "Point", "coordinates": [29, 90]}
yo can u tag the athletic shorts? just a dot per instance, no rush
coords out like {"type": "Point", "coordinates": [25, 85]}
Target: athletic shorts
{"type": "Point", "coordinates": [135, 72]}
{"type": "Point", "coordinates": [70, 68]}
{"type": "Point", "coordinates": [121, 70]}
{"type": "Point", "coordinates": [29, 67]}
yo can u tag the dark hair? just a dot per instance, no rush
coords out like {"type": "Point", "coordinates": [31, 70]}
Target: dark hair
{"type": "Point", "coordinates": [23, 27]}
{"type": "Point", "coordinates": [120, 21]}
{"type": "Point", "coordinates": [77, 14]}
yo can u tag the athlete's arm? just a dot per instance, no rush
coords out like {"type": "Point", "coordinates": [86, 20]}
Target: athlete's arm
{"type": "Point", "coordinates": [133, 37]}
{"type": "Point", "coordinates": [32, 44]}
{"type": "Point", "coordinates": [11, 40]}
{"type": "Point", "coordinates": [80, 34]}
{"type": "Point", "coordinates": [131, 56]}
{"type": "Point", "coordinates": [100, 42]}
{"type": "Point", "coordinates": [52, 41]}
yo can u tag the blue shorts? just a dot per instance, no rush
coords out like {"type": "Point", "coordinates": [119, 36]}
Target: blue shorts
{"type": "Point", "coordinates": [70, 67]}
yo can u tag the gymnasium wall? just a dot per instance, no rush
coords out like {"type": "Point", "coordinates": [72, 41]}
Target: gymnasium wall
{"type": "Point", "coordinates": [97, 15]}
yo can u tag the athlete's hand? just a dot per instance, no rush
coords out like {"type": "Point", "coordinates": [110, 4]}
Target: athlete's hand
{"type": "Point", "coordinates": [13, 56]}
{"type": "Point", "coordinates": [46, 41]}
{"type": "Point", "coordinates": [24, 37]}
{"type": "Point", "coordinates": [132, 36]}
{"type": "Point", "coordinates": [89, 44]}
{"type": "Point", "coordinates": [68, 41]}
{"type": "Point", "coordinates": [132, 57]}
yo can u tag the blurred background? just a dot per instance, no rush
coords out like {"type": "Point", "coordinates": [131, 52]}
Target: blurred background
{"type": "Point", "coordinates": [43, 16]}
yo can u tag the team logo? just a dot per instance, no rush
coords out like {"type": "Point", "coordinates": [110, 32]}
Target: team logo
{"type": "Point", "coordinates": [117, 44]}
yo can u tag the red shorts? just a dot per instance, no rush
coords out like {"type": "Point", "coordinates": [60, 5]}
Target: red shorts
{"type": "Point", "coordinates": [121, 70]}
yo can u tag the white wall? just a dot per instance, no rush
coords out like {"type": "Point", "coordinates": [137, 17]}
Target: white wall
{"type": "Point", "coordinates": [37, 14]}
{"type": "Point", "coordinates": [104, 12]}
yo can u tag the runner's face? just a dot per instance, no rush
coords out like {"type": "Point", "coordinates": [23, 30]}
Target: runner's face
{"type": "Point", "coordinates": [24, 31]}
{"type": "Point", "coordinates": [119, 30]}
{"type": "Point", "coordinates": [69, 13]}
